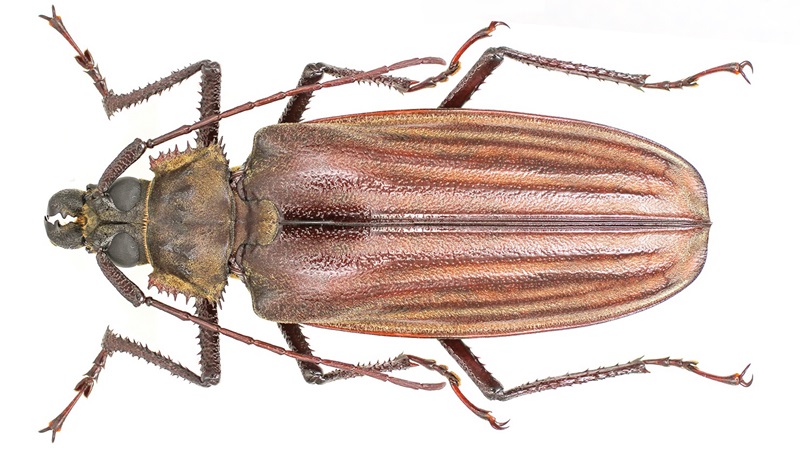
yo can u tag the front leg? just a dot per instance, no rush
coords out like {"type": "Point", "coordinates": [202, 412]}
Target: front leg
{"type": "Point", "coordinates": [210, 82]}
{"type": "Point", "coordinates": [112, 343]}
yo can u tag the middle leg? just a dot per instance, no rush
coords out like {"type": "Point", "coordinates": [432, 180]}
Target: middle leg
{"type": "Point", "coordinates": [314, 72]}
{"type": "Point", "coordinates": [312, 373]}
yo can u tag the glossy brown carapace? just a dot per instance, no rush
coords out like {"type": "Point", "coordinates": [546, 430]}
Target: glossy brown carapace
{"type": "Point", "coordinates": [457, 223]}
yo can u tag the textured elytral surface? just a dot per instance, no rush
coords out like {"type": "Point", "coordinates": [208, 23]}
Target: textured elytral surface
{"type": "Point", "coordinates": [419, 223]}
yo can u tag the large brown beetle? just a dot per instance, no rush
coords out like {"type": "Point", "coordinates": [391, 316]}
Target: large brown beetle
{"type": "Point", "coordinates": [442, 223]}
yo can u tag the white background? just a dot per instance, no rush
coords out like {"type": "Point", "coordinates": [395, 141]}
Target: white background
{"type": "Point", "coordinates": [742, 308]}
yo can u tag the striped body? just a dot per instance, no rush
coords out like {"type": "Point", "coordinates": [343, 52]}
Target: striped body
{"type": "Point", "coordinates": [461, 223]}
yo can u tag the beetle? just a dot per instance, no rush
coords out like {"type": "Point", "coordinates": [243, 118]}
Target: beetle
{"type": "Point", "coordinates": [441, 223]}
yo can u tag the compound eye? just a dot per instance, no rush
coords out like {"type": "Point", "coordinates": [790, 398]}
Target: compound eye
{"type": "Point", "coordinates": [125, 193]}
{"type": "Point", "coordinates": [123, 250]}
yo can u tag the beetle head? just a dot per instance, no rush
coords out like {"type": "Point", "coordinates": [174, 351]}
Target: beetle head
{"type": "Point", "coordinates": [112, 222]}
